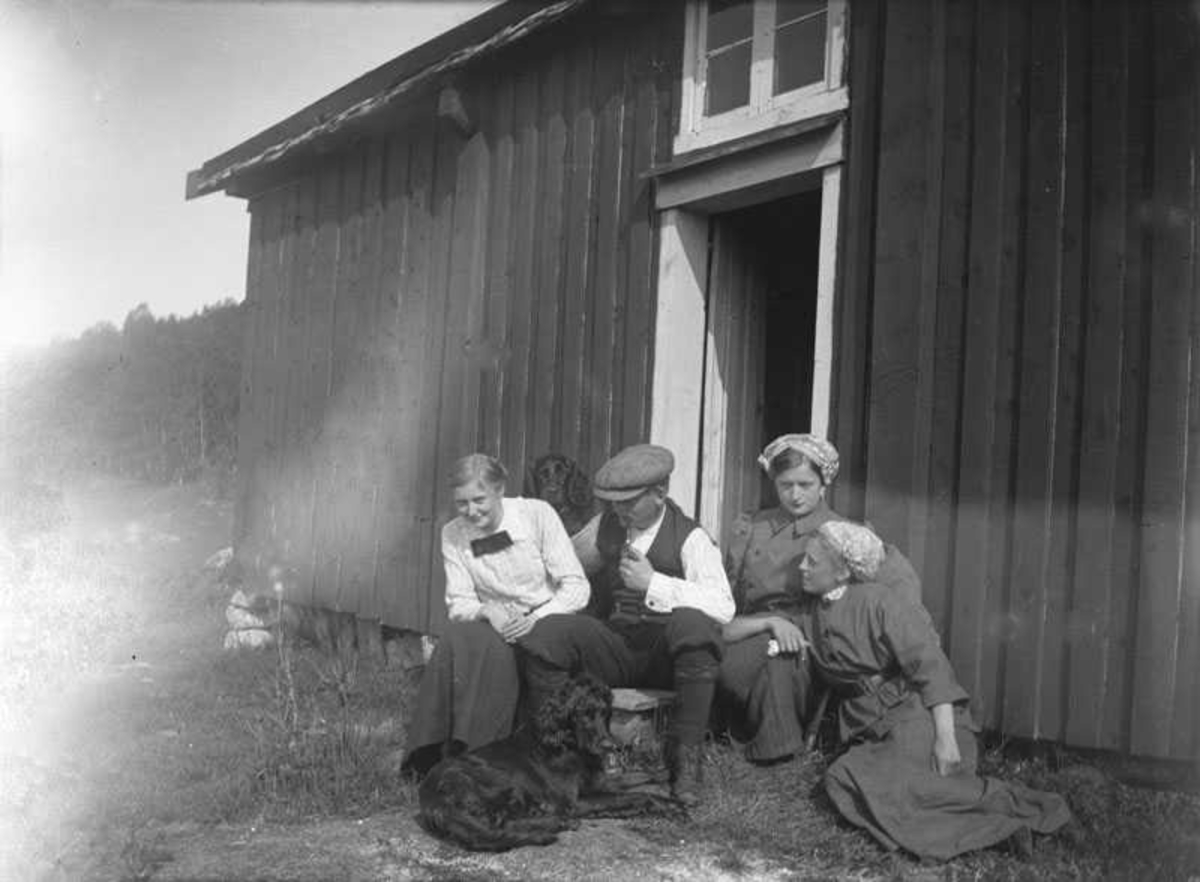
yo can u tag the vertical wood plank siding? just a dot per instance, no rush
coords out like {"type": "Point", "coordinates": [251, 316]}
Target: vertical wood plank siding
{"type": "Point", "coordinates": [427, 291]}
{"type": "Point", "coordinates": [1017, 364]}
{"type": "Point", "coordinates": [1021, 252]}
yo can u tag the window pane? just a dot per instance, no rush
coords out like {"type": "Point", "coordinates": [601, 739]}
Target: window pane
{"type": "Point", "coordinates": [790, 10]}
{"type": "Point", "coordinates": [728, 80]}
{"type": "Point", "coordinates": [728, 22]}
{"type": "Point", "coordinates": [800, 54]}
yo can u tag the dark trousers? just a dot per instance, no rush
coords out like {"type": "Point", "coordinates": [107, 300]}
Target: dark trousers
{"type": "Point", "coordinates": [681, 651]}
{"type": "Point", "coordinates": [768, 700]}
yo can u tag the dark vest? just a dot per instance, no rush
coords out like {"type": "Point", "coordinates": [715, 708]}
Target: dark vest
{"type": "Point", "coordinates": [610, 598]}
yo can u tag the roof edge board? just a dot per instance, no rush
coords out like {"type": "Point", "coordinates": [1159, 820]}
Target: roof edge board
{"type": "Point", "coordinates": [265, 149]}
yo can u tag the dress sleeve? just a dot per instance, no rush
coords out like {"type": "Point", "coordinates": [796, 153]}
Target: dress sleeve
{"type": "Point", "coordinates": [704, 585]}
{"type": "Point", "coordinates": [898, 574]}
{"type": "Point", "coordinates": [909, 637]}
{"type": "Point", "coordinates": [462, 600]}
{"type": "Point", "coordinates": [571, 589]}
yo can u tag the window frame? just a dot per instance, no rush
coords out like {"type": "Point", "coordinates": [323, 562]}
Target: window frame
{"type": "Point", "coordinates": [764, 110]}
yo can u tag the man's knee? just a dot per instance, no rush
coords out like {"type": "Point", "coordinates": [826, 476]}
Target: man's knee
{"type": "Point", "coordinates": [556, 639]}
{"type": "Point", "coordinates": [690, 630]}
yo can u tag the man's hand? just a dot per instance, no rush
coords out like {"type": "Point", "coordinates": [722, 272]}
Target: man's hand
{"type": "Point", "coordinates": [790, 638]}
{"type": "Point", "coordinates": [517, 627]}
{"type": "Point", "coordinates": [635, 570]}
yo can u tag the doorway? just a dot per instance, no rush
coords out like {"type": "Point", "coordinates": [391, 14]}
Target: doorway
{"type": "Point", "coordinates": [760, 346]}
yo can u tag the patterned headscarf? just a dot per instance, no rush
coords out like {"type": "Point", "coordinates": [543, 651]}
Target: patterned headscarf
{"type": "Point", "coordinates": [859, 547]}
{"type": "Point", "coordinates": [816, 449]}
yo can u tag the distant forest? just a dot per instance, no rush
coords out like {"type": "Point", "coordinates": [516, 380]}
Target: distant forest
{"type": "Point", "coordinates": [156, 399]}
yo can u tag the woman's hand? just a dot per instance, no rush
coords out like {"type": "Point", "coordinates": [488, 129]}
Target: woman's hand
{"type": "Point", "coordinates": [497, 616]}
{"type": "Point", "coordinates": [946, 758]}
{"type": "Point", "coordinates": [517, 627]}
{"type": "Point", "coordinates": [790, 638]}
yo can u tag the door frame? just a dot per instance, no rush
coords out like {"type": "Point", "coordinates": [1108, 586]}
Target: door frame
{"type": "Point", "coordinates": [681, 335]}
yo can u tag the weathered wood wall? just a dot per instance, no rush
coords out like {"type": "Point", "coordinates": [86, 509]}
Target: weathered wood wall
{"type": "Point", "coordinates": [428, 291]}
{"type": "Point", "coordinates": [1018, 382]}
{"type": "Point", "coordinates": [1017, 396]}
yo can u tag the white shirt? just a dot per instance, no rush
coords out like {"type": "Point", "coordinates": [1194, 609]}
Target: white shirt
{"type": "Point", "coordinates": [704, 585]}
{"type": "Point", "coordinates": [538, 574]}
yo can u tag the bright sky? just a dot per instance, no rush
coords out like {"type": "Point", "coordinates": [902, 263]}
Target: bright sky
{"type": "Point", "coordinates": [104, 107]}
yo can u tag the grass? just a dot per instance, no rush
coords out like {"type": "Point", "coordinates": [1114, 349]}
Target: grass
{"type": "Point", "coordinates": [142, 721]}
{"type": "Point", "coordinates": [782, 812]}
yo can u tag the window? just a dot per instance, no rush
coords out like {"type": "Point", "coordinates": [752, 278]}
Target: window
{"type": "Point", "coordinates": [750, 65]}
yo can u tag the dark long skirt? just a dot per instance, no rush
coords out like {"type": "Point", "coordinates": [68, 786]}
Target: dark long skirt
{"type": "Point", "coordinates": [467, 697]}
{"type": "Point", "coordinates": [767, 701]}
{"type": "Point", "coordinates": [887, 785]}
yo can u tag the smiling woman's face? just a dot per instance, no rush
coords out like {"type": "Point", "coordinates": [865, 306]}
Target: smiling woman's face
{"type": "Point", "coordinates": [481, 504]}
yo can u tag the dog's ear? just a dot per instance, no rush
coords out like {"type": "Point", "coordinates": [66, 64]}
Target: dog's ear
{"type": "Point", "coordinates": [532, 490]}
{"type": "Point", "coordinates": [579, 487]}
{"type": "Point", "coordinates": [552, 722]}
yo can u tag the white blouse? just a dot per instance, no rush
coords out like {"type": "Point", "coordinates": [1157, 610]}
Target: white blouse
{"type": "Point", "coordinates": [538, 574]}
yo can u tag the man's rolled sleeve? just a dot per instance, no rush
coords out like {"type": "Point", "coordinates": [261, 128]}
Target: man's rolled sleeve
{"type": "Point", "coordinates": [704, 585]}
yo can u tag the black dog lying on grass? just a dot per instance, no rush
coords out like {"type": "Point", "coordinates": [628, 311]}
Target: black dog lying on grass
{"type": "Point", "coordinates": [527, 788]}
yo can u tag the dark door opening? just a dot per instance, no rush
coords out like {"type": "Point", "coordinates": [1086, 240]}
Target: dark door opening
{"type": "Point", "coordinates": [762, 301]}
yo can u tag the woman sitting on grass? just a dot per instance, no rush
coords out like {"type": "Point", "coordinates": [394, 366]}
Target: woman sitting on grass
{"type": "Point", "coordinates": [908, 776]}
{"type": "Point", "coordinates": [509, 564]}
{"type": "Point", "coordinates": [764, 682]}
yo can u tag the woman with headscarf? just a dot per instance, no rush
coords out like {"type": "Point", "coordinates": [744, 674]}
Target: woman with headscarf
{"type": "Point", "coordinates": [764, 683]}
{"type": "Point", "coordinates": [908, 776]}
{"type": "Point", "coordinates": [509, 564]}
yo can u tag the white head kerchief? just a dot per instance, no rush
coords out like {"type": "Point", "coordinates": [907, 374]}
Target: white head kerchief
{"type": "Point", "coordinates": [816, 449]}
{"type": "Point", "coordinates": [859, 547]}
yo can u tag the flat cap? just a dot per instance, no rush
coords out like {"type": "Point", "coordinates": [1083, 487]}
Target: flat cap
{"type": "Point", "coordinates": [633, 470]}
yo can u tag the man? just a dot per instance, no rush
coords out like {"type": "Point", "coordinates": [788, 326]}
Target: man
{"type": "Point", "coordinates": [662, 596]}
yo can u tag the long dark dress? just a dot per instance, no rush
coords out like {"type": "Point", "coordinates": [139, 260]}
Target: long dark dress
{"type": "Point", "coordinates": [467, 696]}
{"type": "Point", "coordinates": [769, 701]}
{"type": "Point", "coordinates": [882, 656]}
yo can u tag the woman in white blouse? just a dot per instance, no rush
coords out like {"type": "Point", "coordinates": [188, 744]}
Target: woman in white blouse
{"type": "Point", "coordinates": [509, 564]}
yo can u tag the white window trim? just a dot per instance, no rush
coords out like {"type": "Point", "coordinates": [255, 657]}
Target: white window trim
{"type": "Point", "coordinates": [765, 110]}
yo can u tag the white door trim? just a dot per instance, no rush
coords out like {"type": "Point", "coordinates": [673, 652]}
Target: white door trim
{"type": "Point", "coordinates": [676, 411]}
{"type": "Point", "coordinates": [679, 333]}
{"type": "Point", "coordinates": [831, 200]}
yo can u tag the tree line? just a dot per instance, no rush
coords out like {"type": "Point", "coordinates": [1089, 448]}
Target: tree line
{"type": "Point", "coordinates": [156, 399]}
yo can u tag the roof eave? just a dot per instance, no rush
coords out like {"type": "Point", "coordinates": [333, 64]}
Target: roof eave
{"type": "Point", "coordinates": [378, 91]}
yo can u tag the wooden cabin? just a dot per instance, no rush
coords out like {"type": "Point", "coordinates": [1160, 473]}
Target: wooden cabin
{"type": "Point", "coordinates": [958, 236]}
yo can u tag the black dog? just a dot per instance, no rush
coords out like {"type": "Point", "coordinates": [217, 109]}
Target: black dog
{"type": "Point", "coordinates": [526, 789]}
{"type": "Point", "coordinates": [559, 481]}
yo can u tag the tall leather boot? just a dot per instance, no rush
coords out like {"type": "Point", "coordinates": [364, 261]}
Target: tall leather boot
{"type": "Point", "coordinates": [685, 771]}
{"type": "Point", "coordinates": [695, 685]}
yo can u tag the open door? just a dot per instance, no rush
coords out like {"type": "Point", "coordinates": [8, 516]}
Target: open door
{"type": "Point", "coordinates": [760, 317]}
{"type": "Point", "coordinates": [743, 345]}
